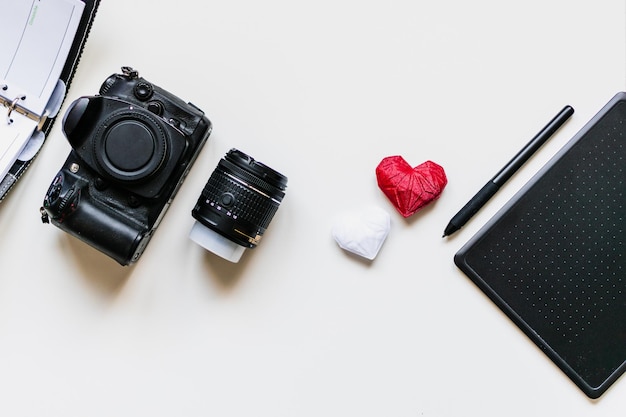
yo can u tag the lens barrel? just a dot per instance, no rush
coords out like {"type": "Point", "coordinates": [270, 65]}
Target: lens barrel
{"type": "Point", "coordinates": [240, 199]}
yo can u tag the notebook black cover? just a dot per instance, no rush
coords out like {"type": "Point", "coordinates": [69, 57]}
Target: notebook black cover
{"type": "Point", "coordinates": [84, 27]}
{"type": "Point", "coordinates": [554, 258]}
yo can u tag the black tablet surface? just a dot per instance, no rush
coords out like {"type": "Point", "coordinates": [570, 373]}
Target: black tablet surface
{"type": "Point", "coordinates": [554, 258]}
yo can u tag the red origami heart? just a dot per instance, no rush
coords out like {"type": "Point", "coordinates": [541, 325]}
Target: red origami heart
{"type": "Point", "coordinates": [409, 189]}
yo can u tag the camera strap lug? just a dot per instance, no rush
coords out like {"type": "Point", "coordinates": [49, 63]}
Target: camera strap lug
{"type": "Point", "coordinates": [44, 216]}
{"type": "Point", "coordinates": [130, 72]}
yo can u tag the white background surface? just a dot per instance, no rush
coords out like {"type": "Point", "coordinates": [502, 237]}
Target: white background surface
{"type": "Point", "coordinates": [320, 91]}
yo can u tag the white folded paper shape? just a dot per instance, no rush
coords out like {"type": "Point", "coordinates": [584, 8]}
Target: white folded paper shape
{"type": "Point", "coordinates": [362, 231]}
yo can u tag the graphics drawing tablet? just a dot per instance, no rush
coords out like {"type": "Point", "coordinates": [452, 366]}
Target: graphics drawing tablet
{"type": "Point", "coordinates": [553, 259]}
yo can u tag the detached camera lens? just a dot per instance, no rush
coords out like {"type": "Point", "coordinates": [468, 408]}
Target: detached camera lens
{"type": "Point", "coordinates": [237, 205]}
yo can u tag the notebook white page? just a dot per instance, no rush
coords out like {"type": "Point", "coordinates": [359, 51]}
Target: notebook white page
{"type": "Point", "coordinates": [13, 138]}
{"type": "Point", "coordinates": [38, 36]}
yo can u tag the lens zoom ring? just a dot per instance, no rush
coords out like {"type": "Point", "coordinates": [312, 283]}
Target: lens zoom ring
{"type": "Point", "coordinates": [249, 205]}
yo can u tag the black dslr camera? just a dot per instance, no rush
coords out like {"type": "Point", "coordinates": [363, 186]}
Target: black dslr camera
{"type": "Point", "coordinates": [132, 146]}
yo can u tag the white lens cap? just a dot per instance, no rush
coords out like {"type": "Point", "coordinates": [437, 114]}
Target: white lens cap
{"type": "Point", "coordinates": [216, 243]}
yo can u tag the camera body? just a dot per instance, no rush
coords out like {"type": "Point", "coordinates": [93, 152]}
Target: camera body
{"type": "Point", "coordinates": [132, 147]}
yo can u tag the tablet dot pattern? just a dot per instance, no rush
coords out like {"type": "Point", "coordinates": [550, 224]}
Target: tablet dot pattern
{"type": "Point", "coordinates": [557, 258]}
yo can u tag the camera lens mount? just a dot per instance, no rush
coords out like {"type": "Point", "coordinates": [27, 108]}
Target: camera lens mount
{"type": "Point", "coordinates": [130, 146]}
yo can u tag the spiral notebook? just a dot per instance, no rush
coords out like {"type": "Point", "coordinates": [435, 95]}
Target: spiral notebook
{"type": "Point", "coordinates": [42, 42]}
{"type": "Point", "coordinates": [554, 258]}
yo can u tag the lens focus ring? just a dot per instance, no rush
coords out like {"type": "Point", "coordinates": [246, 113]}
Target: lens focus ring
{"type": "Point", "coordinates": [253, 180]}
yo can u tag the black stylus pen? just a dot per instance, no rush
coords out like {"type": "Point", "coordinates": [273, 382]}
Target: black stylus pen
{"type": "Point", "coordinates": [507, 172]}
